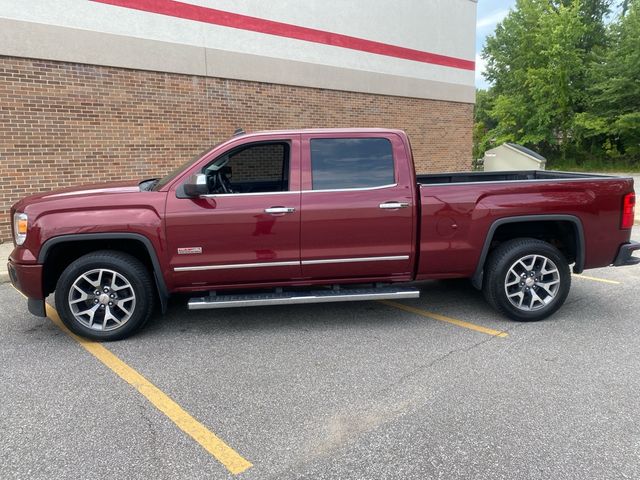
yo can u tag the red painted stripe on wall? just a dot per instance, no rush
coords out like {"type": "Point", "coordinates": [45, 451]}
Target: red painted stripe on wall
{"type": "Point", "coordinates": [244, 22]}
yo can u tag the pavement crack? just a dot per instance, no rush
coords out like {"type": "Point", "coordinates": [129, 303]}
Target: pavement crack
{"type": "Point", "coordinates": [148, 421]}
{"type": "Point", "coordinates": [345, 428]}
{"type": "Point", "coordinates": [413, 372]}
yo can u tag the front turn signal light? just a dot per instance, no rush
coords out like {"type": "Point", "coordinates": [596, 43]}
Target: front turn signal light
{"type": "Point", "coordinates": [20, 224]}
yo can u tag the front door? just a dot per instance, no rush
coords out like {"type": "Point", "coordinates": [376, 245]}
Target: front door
{"type": "Point", "coordinates": [247, 230]}
{"type": "Point", "coordinates": [357, 207]}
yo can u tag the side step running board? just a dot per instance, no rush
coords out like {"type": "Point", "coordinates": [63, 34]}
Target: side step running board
{"type": "Point", "coordinates": [314, 296]}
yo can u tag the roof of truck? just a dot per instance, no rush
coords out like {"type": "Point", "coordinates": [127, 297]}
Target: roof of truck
{"type": "Point", "coordinates": [324, 130]}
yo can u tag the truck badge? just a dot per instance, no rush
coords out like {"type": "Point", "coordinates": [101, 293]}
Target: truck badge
{"type": "Point", "coordinates": [189, 250]}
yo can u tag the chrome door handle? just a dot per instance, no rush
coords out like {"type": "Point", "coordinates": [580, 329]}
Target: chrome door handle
{"type": "Point", "coordinates": [273, 210]}
{"type": "Point", "coordinates": [392, 205]}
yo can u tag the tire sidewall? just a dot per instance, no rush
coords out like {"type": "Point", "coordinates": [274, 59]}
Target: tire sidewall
{"type": "Point", "coordinates": [502, 267]}
{"type": "Point", "coordinates": [130, 268]}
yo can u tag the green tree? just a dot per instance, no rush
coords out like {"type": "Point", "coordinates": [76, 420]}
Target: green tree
{"type": "Point", "coordinates": [611, 123]}
{"type": "Point", "coordinates": [508, 55]}
{"type": "Point", "coordinates": [594, 13]}
{"type": "Point", "coordinates": [483, 123]}
{"type": "Point", "coordinates": [537, 62]}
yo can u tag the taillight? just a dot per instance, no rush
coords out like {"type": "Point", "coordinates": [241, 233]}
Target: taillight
{"type": "Point", "coordinates": [628, 204]}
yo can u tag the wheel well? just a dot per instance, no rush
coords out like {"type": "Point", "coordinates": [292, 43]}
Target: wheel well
{"type": "Point", "coordinates": [563, 231]}
{"type": "Point", "coordinates": [559, 233]}
{"type": "Point", "coordinates": [60, 255]}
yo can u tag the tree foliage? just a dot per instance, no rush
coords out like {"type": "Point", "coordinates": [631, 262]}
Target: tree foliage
{"type": "Point", "coordinates": [565, 78]}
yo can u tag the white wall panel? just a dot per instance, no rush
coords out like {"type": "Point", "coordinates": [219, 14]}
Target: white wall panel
{"type": "Point", "coordinates": [444, 27]}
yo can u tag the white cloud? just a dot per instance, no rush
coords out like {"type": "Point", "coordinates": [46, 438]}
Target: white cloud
{"type": "Point", "coordinates": [481, 64]}
{"type": "Point", "coordinates": [491, 20]}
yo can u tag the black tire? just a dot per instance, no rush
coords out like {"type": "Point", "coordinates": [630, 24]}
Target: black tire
{"type": "Point", "coordinates": [129, 271]}
{"type": "Point", "coordinates": [497, 275]}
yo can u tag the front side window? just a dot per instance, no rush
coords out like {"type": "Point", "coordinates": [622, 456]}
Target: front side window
{"type": "Point", "coordinates": [342, 163]}
{"type": "Point", "coordinates": [257, 168]}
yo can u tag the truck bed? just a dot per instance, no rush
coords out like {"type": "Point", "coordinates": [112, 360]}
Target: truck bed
{"type": "Point", "coordinates": [459, 209]}
{"type": "Point", "coordinates": [510, 176]}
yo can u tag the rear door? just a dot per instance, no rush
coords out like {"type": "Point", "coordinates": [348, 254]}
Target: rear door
{"type": "Point", "coordinates": [357, 207]}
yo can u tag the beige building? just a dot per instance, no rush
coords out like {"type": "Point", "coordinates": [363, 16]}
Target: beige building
{"type": "Point", "coordinates": [110, 89]}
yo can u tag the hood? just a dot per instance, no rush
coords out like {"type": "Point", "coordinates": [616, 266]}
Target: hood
{"type": "Point", "coordinates": [110, 188]}
{"type": "Point", "coordinates": [128, 186]}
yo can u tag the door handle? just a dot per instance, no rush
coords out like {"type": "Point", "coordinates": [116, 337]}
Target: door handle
{"type": "Point", "coordinates": [393, 205]}
{"type": "Point", "coordinates": [275, 210]}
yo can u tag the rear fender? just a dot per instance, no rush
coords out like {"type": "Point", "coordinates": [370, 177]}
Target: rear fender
{"type": "Point", "coordinates": [578, 267]}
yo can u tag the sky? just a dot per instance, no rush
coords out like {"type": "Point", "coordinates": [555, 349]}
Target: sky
{"type": "Point", "coordinates": [490, 12]}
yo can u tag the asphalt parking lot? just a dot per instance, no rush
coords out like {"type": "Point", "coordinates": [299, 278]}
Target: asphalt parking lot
{"type": "Point", "coordinates": [352, 390]}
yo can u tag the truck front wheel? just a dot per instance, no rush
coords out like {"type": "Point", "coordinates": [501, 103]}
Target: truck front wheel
{"type": "Point", "coordinates": [105, 295]}
{"type": "Point", "coordinates": [526, 279]}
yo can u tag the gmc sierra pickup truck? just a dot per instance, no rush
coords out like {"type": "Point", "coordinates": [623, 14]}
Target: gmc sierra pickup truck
{"type": "Point", "coordinates": [313, 216]}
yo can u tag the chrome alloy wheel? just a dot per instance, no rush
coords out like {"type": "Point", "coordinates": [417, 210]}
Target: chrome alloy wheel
{"type": "Point", "coordinates": [532, 282]}
{"type": "Point", "coordinates": [102, 299]}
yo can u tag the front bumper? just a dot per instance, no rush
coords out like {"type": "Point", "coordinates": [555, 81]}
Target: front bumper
{"type": "Point", "coordinates": [28, 280]}
{"type": "Point", "coordinates": [625, 255]}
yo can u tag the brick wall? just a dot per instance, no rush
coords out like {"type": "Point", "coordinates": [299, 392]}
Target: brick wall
{"type": "Point", "coordinates": [259, 162]}
{"type": "Point", "coordinates": [64, 124]}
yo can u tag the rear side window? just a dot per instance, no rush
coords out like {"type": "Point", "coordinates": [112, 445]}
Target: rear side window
{"type": "Point", "coordinates": [338, 163]}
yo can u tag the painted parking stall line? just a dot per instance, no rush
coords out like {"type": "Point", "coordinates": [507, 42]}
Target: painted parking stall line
{"type": "Point", "coordinates": [596, 279]}
{"type": "Point", "coordinates": [444, 318]}
{"type": "Point", "coordinates": [208, 440]}
{"type": "Point", "coordinates": [227, 456]}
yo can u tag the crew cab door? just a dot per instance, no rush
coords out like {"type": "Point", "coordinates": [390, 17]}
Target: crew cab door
{"type": "Point", "coordinates": [357, 207]}
{"type": "Point", "coordinates": [249, 236]}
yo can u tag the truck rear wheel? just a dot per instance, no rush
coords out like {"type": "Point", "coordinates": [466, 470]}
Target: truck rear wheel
{"type": "Point", "coordinates": [526, 279]}
{"type": "Point", "coordinates": [105, 295]}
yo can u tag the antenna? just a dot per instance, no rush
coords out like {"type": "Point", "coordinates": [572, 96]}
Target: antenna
{"type": "Point", "coordinates": [239, 131]}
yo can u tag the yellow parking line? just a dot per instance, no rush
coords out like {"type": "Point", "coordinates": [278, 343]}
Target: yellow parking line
{"type": "Point", "coordinates": [226, 455]}
{"type": "Point", "coordinates": [231, 459]}
{"type": "Point", "coordinates": [596, 279]}
{"type": "Point", "coordinates": [442, 318]}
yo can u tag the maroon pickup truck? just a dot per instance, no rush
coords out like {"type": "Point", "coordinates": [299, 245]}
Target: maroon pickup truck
{"type": "Point", "coordinates": [313, 216]}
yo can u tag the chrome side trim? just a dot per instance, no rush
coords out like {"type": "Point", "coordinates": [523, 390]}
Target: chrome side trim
{"type": "Point", "coordinates": [353, 260]}
{"type": "Point", "coordinates": [249, 194]}
{"type": "Point", "coordinates": [198, 268]}
{"type": "Point", "coordinates": [357, 189]}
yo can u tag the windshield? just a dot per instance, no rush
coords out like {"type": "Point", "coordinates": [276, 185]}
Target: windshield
{"type": "Point", "coordinates": [177, 171]}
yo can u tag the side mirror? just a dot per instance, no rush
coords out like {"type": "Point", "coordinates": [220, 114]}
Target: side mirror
{"type": "Point", "coordinates": [196, 185]}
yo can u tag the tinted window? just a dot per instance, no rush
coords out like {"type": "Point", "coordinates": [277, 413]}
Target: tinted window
{"type": "Point", "coordinates": [261, 167]}
{"type": "Point", "coordinates": [351, 163]}
{"type": "Point", "coordinates": [259, 163]}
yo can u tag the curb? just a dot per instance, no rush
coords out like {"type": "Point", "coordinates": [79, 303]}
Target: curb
{"type": "Point", "coordinates": [4, 274]}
